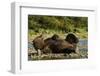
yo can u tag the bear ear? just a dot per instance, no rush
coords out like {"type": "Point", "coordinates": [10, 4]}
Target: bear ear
{"type": "Point", "coordinates": [55, 37]}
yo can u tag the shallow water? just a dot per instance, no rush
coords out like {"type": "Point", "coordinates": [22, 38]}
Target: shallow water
{"type": "Point", "coordinates": [83, 45]}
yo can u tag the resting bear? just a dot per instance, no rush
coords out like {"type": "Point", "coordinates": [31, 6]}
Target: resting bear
{"type": "Point", "coordinates": [55, 44]}
{"type": "Point", "coordinates": [58, 45]}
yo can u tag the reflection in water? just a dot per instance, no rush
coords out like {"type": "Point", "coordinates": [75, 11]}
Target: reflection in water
{"type": "Point", "coordinates": [83, 45]}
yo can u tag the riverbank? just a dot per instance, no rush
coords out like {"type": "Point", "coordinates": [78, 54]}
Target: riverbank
{"type": "Point", "coordinates": [81, 34]}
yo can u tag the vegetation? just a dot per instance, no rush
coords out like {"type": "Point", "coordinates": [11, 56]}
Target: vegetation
{"type": "Point", "coordinates": [61, 25]}
{"type": "Point", "coordinates": [38, 24]}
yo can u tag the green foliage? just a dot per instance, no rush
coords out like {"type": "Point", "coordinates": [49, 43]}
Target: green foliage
{"type": "Point", "coordinates": [57, 24]}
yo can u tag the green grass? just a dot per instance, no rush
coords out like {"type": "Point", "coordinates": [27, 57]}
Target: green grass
{"type": "Point", "coordinates": [81, 33]}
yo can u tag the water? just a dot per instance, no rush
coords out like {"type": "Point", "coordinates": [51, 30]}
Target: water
{"type": "Point", "coordinates": [30, 45]}
{"type": "Point", "coordinates": [83, 45]}
{"type": "Point", "coordinates": [83, 42]}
